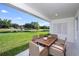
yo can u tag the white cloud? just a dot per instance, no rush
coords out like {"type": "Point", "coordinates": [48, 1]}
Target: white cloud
{"type": "Point", "coordinates": [4, 11]}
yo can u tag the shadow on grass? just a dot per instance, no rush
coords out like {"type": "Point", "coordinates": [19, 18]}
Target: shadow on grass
{"type": "Point", "coordinates": [15, 51]}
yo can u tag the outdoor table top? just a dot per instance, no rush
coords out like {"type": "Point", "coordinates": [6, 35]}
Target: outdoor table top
{"type": "Point", "coordinates": [46, 42]}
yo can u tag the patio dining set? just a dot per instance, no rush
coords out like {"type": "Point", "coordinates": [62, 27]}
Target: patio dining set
{"type": "Point", "coordinates": [49, 45]}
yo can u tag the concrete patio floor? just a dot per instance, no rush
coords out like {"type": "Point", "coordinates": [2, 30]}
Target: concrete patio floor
{"type": "Point", "coordinates": [24, 53]}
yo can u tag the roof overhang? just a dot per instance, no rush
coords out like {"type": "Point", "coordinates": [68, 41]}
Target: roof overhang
{"type": "Point", "coordinates": [48, 11]}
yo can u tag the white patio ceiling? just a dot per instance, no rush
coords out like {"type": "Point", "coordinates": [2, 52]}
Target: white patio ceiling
{"type": "Point", "coordinates": [50, 10]}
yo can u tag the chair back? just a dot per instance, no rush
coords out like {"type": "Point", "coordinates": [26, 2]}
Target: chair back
{"type": "Point", "coordinates": [41, 35]}
{"type": "Point", "coordinates": [33, 49]}
{"type": "Point", "coordinates": [35, 37]}
{"type": "Point", "coordinates": [52, 36]}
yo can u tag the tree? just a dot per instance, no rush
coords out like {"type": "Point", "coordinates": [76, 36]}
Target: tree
{"type": "Point", "coordinates": [44, 27]}
{"type": "Point", "coordinates": [5, 23]}
{"type": "Point", "coordinates": [32, 25]}
{"type": "Point", "coordinates": [0, 23]}
{"type": "Point", "coordinates": [15, 26]}
{"type": "Point", "coordinates": [35, 25]}
{"type": "Point", "coordinates": [28, 26]}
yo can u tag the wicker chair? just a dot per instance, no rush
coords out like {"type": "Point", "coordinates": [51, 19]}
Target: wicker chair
{"type": "Point", "coordinates": [37, 50]}
{"type": "Point", "coordinates": [52, 36]}
{"type": "Point", "coordinates": [58, 48]}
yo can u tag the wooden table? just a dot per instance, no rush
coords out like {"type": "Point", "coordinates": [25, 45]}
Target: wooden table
{"type": "Point", "coordinates": [47, 42]}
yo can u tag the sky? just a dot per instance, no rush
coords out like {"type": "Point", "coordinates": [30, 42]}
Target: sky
{"type": "Point", "coordinates": [19, 17]}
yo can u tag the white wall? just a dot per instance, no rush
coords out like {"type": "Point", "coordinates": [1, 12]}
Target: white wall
{"type": "Point", "coordinates": [76, 42]}
{"type": "Point", "coordinates": [70, 27]}
{"type": "Point", "coordinates": [70, 31]}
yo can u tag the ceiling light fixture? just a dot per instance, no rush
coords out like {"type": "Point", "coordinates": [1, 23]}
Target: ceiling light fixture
{"type": "Point", "coordinates": [56, 14]}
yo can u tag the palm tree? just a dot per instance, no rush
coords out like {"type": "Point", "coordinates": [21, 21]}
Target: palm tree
{"type": "Point", "coordinates": [5, 23]}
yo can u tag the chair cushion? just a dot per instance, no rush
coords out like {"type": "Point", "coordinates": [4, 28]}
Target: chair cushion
{"type": "Point", "coordinates": [58, 46]}
{"type": "Point", "coordinates": [56, 52]}
{"type": "Point", "coordinates": [40, 48]}
{"type": "Point", "coordinates": [55, 49]}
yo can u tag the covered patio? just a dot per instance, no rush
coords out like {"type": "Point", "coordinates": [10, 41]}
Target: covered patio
{"type": "Point", "coordinates": [63, 19]}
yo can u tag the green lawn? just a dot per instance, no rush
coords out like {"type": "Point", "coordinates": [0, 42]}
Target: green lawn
{"type": "Point", "coordinates": [13, 43]}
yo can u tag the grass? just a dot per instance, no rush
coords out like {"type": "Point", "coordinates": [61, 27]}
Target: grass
{"type": "Point", "coordinates": [13, 43]}
{"type": "Point", "coordinates": [15, 51]}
